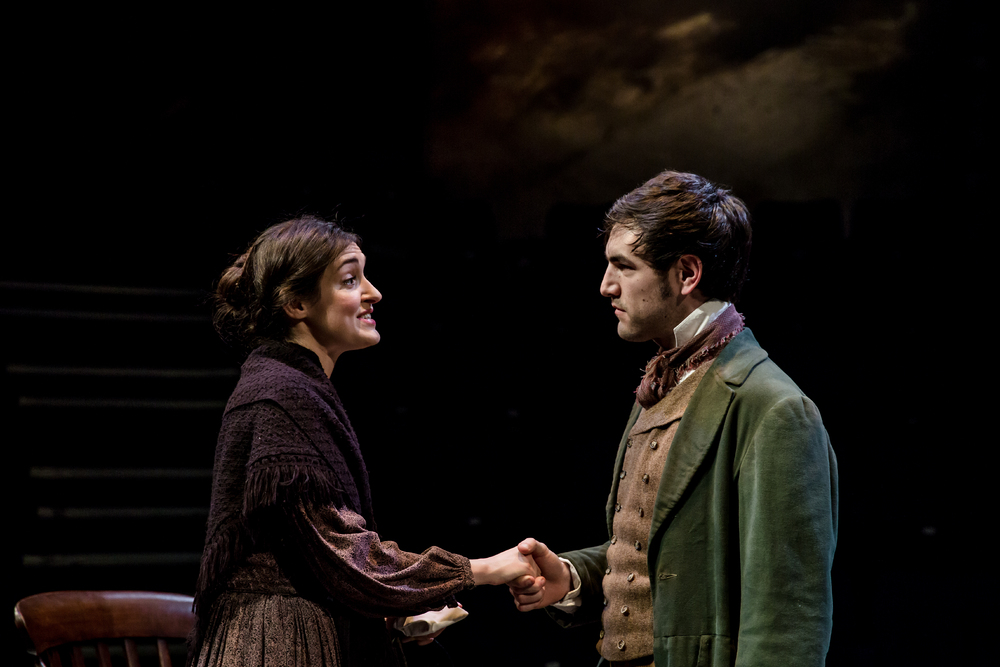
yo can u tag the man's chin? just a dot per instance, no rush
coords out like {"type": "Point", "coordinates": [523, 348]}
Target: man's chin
{"type": "Point", "coordinates": [631, 336]}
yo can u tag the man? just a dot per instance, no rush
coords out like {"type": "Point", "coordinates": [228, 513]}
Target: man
{"type": "Point", "coordinates": [722, 516]}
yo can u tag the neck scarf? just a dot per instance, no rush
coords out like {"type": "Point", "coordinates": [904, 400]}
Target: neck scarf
{"type": "Point", "coordinates": [665, 370]}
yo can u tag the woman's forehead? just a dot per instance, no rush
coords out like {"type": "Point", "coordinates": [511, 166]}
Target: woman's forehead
{"type": "Point", "coordinates": [351, 255]}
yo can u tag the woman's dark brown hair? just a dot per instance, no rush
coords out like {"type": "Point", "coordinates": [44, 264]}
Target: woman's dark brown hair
{"type": "Point", "coordinates": [284, 263]}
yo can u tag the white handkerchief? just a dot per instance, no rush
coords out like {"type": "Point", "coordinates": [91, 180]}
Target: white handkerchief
{"type": "Point", "coordinates": [429, 622]}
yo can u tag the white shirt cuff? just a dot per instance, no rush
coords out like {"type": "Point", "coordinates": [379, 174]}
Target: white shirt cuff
{"type": "Point", "coordinates": [571, 602]}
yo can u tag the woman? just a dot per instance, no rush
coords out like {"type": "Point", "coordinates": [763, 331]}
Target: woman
{"type": "Point", "coordinates": [293, 572]}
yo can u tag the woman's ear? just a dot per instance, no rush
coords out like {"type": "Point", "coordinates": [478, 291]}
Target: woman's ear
{"type": "Point", "coordinates": [296, 310]}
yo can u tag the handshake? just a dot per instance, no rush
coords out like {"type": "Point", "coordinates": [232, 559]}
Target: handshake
{"type": "Point", "coordinates": [535, 576]}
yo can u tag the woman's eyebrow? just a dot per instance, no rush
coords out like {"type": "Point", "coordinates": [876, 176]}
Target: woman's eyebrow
{"type": "Point", "coordinates": [349, 260]}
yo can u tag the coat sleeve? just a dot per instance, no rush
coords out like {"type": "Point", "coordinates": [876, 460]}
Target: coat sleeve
{"type": "Point", "coordinates": [590, 565]}
{"type": "Point", "coordinates": [787, 492]}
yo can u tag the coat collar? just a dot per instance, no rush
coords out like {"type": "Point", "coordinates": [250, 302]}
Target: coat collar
{"type": "Point", "coordinates": [737, 359]}
{"type": "Point", "coordinates": [703, 420]}
{"type": "Point", "coordinates": [705, 414]}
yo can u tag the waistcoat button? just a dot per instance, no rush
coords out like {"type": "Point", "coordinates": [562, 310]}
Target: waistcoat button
{"type": "Point", "coordinates": [652, 445]}
{"type": "Point", "coordinates": [624, 610]}
{"type": "Point", "coordinates": [621, 644]}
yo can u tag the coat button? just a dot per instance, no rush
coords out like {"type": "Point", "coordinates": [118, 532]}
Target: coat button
{"type": "Point", "coordinates": [614, 539]}
{"type": "Point", "coordinates": [628, 443]}
{"type": "Point", "coordinates": [602, 634]}
{"type": "Point", "coordinates": [618, 507]}
{"type": "Point", "coordinates": [621, 475]}
{"type": "Point", "coordinates": [653, 444]}
{"type": "Point", "coordinates": [638, 547]}
{"type": "Point", "coordinates": [641, 512]}
{"type": "Point", "coordinates": [631, 576]}
{"type": "Point", "coordinates": [624, 610]}
{"type": "Point", "coordinates": [621, 644]}
{"type": "Point", "coordinates": [607, 571]}
{"type": "Point", "coordinates": [645, 478]}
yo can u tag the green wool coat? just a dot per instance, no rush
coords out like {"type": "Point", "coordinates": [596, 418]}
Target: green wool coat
{"type": "Point", "coordinates": [744, 526]}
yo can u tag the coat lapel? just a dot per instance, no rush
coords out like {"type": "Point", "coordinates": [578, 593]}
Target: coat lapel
{"type": "Point", "coordinates": [702, 422]}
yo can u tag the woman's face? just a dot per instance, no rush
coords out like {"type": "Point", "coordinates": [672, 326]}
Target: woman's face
{"type": "Point", "coordinates": [341, 318]}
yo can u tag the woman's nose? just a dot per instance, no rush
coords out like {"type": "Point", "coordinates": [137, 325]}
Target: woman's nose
{"type": "Point", "coordinates": [372, 295]}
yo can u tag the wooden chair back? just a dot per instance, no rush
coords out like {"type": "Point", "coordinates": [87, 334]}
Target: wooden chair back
{"type": "Point", "coordinates": [58, 626]}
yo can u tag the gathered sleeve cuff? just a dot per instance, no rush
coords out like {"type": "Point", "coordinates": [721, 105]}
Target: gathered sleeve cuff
{"type": "Point", "coordinates": [371, 576]}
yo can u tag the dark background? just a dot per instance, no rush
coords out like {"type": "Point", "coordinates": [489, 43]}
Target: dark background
{"type": "Point", "coordinates": [475, 147]}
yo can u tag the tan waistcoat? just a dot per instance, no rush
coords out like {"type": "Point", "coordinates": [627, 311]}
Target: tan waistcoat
{"type": "Point", "coordinates": [628, 613]}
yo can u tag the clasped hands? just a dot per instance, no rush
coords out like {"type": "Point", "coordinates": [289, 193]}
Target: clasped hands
{"type": "Point", "coordinates": [535, 575]}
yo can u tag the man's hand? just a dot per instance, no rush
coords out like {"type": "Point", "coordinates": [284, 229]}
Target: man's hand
{"type": "Point", "coordinates": [506, 566]}
{"type": "Point", "coordinates": [553, 584]}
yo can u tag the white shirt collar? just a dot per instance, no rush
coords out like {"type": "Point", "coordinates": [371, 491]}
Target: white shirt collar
{"type": "Point", "coordinates": [695, 323]}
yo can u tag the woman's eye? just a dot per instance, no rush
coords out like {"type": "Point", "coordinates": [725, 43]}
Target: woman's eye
{"type": "Point", "coordinates": [350, 281]}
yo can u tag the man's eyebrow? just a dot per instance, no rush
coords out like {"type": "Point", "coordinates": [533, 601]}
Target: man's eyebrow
{"type": "Point", "coordinates": [618, 259]}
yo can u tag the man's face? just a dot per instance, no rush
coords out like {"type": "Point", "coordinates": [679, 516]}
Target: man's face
{"type": "Point", "coordinates": [645, 303]}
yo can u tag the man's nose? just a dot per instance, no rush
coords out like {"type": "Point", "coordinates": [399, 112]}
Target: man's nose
{"type": "Point", "coordinates": [608, 286]}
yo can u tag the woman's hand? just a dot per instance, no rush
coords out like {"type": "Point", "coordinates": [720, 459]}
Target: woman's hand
{"type": "Point", "coordinates": [504, 567]}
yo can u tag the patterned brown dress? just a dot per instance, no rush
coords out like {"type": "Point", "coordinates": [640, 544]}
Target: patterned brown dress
{"type": "Point", "coordinates": [294, 572]}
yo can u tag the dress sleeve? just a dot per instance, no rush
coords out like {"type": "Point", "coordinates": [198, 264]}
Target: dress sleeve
{"type": "Point", "coordinates": [371, 576]}
{"type": "Point", "coordinates": [289, 483]}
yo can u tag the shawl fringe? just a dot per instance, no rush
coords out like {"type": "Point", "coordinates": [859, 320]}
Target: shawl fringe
{"type": "Point", "coordinates": [280, 481]}
{"type": "Point", "coordinates": [228, 545]}
{"type": "Point", "coordinates": [268, 485]}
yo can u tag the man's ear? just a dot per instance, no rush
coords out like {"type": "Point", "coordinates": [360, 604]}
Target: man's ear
{"type": "Point", "coordinates": [296, 310]}
{"type": "Point", "coordinates": [689, 270]}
